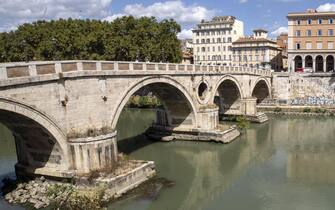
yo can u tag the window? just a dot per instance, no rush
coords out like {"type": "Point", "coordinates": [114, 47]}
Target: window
{"type": "Point", "coordinates": [298, 22]}
{"type": "Point", "coordinates": [330, 45]}
{"type": "Point", "coordinates": [219, 40]}
{"type": "Point", "coordinates": [309, 22]}
{"type": "Point", "coordinates": [297, 46]}
{"type": "Point", "coordinates": [197, 41]}
{"type": "Point", "coordinates": [219, 48]}
{"type": "Point", "coordinates": [224, 40]}
{"type": "Point", "coordinates": [209, 58]}
{"type": "Point", "coordinates": [202, 41]}
{"type": "Point", "coordinates": [203, 49]}
{"type": "Point", "coordinates": [250, 57]}
{"type": "Point", "coordinates": [198, 49]}
{"type": "Point", "coordinates": [320, 21]}
{"type": "Point", "coordinates": [229, 39]}
{"type": "Point", "coordinates": [319, 45]}
{"type": "Point", "coordinates": [330, 21]}
{"type": "Point", "coordinates": [213, 49]}
{"type": "Point", "coordinates": [208, 41]}
{"type": "Point", "coordinates": [319, 32]}
{"type": "Point", "coordinates": [308, 45]}
{"type": "Point", "coordinates": [330, 32]}
{"type": "Point", "coordinates": [229, 48]}
{"type": "Point", "coordinates": [309, 33]}
{"type": "Point", "coordinates": [297, 33]}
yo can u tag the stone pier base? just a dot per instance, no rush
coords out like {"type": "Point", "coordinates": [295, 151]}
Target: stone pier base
{"type": "Point", "coordinates": [93, 153]}
{"type": "Point", "coordinates": [161, 133]}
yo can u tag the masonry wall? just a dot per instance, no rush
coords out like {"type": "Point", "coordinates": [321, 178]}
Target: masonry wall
{"type": "Point", "coordinates": [304, 89]}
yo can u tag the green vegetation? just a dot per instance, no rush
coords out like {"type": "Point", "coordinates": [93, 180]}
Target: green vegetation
{"type": "Point", "coordinates": [307, 110]}
{"type": "Point", "coordinates": [277, 109]}
{"type": "Point", "coordinates": [124, 39]}
{"type": "Point", "coordinates": [67, 197]}
{"type": "Point", "coordinates": [242, 123]}
{"type": "Point", "coordinates": [137, 101]}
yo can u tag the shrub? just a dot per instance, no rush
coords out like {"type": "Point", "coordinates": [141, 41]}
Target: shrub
{"type": "Point", "coordinates": [277, 109]}
{"type": "Point", "coordinates": [242, 122]}
{"type": "Point", "coordinates": [306, 110]}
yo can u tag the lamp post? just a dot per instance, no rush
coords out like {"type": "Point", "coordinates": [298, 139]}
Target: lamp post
{"type": "Point", "coordinates": [24, 45]}
{"type": "Point", "coordinates": [55, 46]}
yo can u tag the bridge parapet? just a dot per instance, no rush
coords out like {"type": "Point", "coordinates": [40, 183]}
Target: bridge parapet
{"type": "Point", "coordinates": [40, 68]}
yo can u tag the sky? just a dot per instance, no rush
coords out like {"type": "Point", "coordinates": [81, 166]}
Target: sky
{"type": "Point", "coordinates": [266, 14]}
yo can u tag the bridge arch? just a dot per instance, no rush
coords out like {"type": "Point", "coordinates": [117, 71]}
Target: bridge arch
{"type": "Point", "coordinates": [261, 90]}
{"type": "Point", "coordinates": [177, 101]}
{"type": "Point", "coordinates": [228, 94]}
{"type": "Point", "coordinates": [40, 143]}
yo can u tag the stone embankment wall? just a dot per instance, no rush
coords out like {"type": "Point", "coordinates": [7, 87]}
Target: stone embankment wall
{"type": "Point", "coordinates": [304, 89]}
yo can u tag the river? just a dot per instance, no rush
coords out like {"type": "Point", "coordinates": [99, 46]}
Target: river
{"type": "Point", "coordinates": [287, 163]}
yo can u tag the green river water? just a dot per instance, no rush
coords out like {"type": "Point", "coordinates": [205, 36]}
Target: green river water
{"type": "Point", "coordinates": [287, 163]}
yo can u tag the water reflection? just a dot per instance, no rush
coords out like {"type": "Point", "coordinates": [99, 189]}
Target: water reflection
{"type": "Point", "coordinates": [284, 164]}
{"type": "Point", "coordinates": [263, 169]}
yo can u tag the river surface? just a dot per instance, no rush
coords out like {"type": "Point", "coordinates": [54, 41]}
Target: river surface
{"type": "Point", "coordinates": [287, 163]}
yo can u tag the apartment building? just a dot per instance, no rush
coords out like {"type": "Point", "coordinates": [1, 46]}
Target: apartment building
{"type": "Point", "coordinates": [311, 41]}
{"type": "Point", "coordinates": [282, 40]}
{"type": "Point", "coordinates": [257, 51]}
{"type": "Point", "coordinates": [212, 40]}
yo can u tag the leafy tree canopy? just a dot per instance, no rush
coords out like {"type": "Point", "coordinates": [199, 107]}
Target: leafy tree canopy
{"type": "Point", "coordinates": [125, 39]}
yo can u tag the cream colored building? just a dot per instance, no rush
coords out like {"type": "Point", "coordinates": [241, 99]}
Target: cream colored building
{"type": "Point", "coordinates": [311, 41]}
{"type": "Point", "coordinates": [257, 51]}
{"type": "Point", "coordinates": [212, 40]}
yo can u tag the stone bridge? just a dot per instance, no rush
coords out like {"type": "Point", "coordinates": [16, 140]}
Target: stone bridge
{"type": "Point", "coordinates": [63, 114]}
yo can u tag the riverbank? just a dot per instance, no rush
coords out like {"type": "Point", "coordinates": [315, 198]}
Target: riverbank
{"type": "Point", "coordinates": [298, 110]}
{"type": "Point", "coordinates": [94, 191]}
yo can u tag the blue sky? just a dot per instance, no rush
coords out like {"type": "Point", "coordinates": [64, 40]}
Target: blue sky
{"type": "Point", "coordinates": [267, 14]}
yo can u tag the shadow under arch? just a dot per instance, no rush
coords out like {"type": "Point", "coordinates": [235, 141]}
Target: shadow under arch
{"type": "Point", "coordinates": [227, 96]}
{"type": "Point", "coordinates": [261, 90]}
{"type": "Point", "coordinates": [40, 144]}
{"type": "Point", "coordinates": [178, 103]}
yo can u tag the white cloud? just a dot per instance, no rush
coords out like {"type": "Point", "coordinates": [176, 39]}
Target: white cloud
{"type": "Point", "coordinates": [15, 12]}
{"type": "Point", "coordinates": [328, 7]}
{"type": "Point", "coordinates": [243, 1]}
{"type": "Point", "coordinates": [185, 34]}
{"type": "Point", "coordinates": [171, 9]}
{"type": "Point", "coordinates": [279, 31]}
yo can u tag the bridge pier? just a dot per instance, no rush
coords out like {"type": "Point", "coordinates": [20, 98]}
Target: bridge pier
{"type": "Point", "coordinates": [94, 153]}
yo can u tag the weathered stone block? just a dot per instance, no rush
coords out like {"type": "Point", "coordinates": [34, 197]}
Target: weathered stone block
{"type": "Point", "coordinates": [107, 66]}
{"type": "Point", "coordinates": [17, 71]}
{"type": "Point", "coordinates": [45, 69]}
{"type": "Point", "coordinates": [89, 66]}
{"type": "Point", "coordinates": [66, 67]}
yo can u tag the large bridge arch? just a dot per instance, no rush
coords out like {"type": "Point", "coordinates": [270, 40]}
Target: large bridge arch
{"type": "Point", "coordinates": [40, 143]}
{"type": "Point", "coordinates": [172, 88]}
{"type": "Point", "coordinates": [228, 95]}
{"type": "Point", "coordinates": [261, 89]}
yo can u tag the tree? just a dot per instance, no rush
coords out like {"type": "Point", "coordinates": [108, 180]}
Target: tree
{"type": "Point", "coordinates": [125, 39]}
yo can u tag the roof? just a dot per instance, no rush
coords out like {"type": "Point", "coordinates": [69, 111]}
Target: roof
{"type": "Point", "coordinates": [260, 30]}
{"type": "Point", "coordinates": [219, 19]}
{"type": "Point", "coordinates": [310, 13]}
{"type": "Point", "coordinates": [252, 40]}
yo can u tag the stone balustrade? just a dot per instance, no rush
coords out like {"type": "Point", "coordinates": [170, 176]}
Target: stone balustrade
{"type": "Point", "coordinates": [40, 68]}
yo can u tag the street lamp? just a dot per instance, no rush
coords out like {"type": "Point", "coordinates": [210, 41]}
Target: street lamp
{"type": "Point", "coordinates": [55, 45]}
{"type": "Point", "coordinates": [24, 45]}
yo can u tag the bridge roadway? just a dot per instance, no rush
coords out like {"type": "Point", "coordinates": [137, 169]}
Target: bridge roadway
{"type": "Point", "coordinates": [63, 114]}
